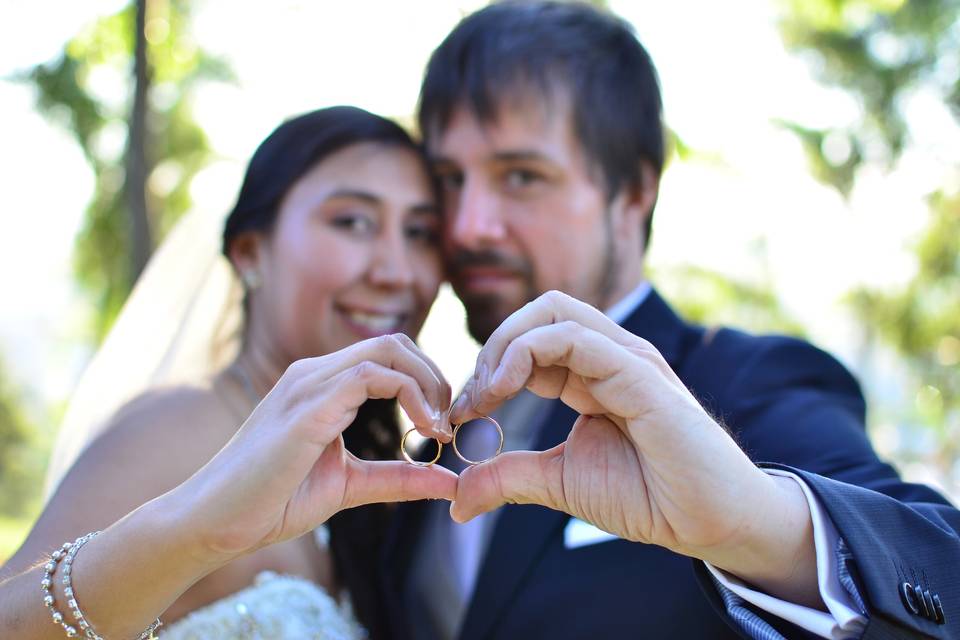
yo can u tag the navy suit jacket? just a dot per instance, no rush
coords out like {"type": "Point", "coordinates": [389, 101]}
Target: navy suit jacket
{"type": "Point", "coordinates": [786, 403]}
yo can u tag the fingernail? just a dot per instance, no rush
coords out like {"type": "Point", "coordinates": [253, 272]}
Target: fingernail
{"type": "Point", "coordinates": [469, 396]}
{"type": "Point", "coordinates": [461, 404]}
{"type": "Point", "coordinates": [454, 514]}
{"type": "Point", "coordinates": [497, 376]}
{"type": "Point", "coordinates": [430, 412]}
{"type": "Point", "coordinates": [441, 426]}
{"type": "Point", "coordinates": [483, 378]}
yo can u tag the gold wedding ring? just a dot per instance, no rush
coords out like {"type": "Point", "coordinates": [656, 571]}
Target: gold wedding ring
{"type": "Point", "coordinates": [456, 430]}
{"type": "Point", "coordinates": [406, 456]}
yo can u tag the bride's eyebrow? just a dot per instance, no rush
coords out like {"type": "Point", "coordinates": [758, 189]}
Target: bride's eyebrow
{"type": "Point", "coordinates": [355, 194]}
{"type": "Point", "coordinates": [424, 208]}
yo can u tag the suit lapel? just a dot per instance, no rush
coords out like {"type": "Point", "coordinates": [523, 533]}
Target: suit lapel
{"type": "Point", "coordinates": [522, 531]}
{"type": "Point", "coordinates": [519, 536]}
{"type": "Point", "coordinates": [395, 558]}
{"type": "Point", "coordinates": [657, 323]}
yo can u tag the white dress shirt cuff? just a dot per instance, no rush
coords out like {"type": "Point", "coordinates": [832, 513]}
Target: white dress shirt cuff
{"type": "Point", "coordinates": [844, 619]}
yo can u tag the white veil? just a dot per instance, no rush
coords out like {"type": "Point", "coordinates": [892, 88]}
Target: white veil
{"type": "Point", "coordinates": [181, 322]}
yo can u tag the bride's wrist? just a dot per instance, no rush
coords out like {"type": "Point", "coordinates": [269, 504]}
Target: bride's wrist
{"type": "Point", "coordinates": [186, 532]}
{"type": "Point", "coordinates": [153, 552]}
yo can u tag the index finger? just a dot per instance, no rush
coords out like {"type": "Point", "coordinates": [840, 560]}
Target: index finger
{"type": "Point", "coordinates": [445, 390]}
{"type": "Point", "coordinates": [550, 308]}
{"type": "Point", "coordinates": [396, 352]}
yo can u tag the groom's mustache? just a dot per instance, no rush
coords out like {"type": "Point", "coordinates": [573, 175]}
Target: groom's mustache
{"type": "Point", "coordinates": [466, 260]}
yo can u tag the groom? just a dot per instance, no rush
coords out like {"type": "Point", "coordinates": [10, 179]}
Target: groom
{"type": "Point", "coordinates": [543, 121]}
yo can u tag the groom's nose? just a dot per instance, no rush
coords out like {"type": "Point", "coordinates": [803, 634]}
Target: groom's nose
{"type": "Point", "coordinates": [477, 218]}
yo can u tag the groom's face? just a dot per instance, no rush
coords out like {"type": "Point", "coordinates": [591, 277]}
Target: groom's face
{"type": "Point", "coordinates": [525, 213]}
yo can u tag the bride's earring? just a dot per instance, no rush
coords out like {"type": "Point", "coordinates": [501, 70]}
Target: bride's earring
{"type": "Point", "coordinates": [251, 279]}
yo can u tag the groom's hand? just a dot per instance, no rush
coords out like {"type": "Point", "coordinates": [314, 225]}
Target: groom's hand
{"type": "Point", "coordinates": [644, 461]}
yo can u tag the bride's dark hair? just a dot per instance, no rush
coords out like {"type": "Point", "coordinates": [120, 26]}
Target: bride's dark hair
{"type": "Point", "coordinates": [295, 147]}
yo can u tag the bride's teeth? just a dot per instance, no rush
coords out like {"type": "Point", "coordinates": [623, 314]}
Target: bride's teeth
{"type": "Point", "coordinates": [374, 321]}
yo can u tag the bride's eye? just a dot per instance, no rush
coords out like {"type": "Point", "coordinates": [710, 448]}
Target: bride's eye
{"type": "Point", "coordinates": [354, 223]}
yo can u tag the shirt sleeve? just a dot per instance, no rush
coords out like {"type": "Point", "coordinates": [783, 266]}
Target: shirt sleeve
{"type": "Point", "coordinates": [845, 616]}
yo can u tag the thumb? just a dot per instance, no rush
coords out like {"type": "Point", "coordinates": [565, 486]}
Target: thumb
{"type": "Point", "coordinates": [368, 482]}
{"type": "Point", "coordinates": [516, 477]}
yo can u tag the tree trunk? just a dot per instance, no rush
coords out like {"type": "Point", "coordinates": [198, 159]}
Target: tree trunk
{"type": "Point", "coordinates": [135, 184]}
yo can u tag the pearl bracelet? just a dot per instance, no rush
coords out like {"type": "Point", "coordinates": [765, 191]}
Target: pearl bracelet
{"type": "Point", "coordinates": [66, 554]}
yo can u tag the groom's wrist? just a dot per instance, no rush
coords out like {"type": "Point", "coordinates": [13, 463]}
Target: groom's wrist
{"type": "Point", "coordinates": [774, 550]}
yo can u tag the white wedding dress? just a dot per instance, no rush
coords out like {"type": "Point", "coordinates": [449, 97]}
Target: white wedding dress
{"type": "Point", "coordinates": [274, 607]}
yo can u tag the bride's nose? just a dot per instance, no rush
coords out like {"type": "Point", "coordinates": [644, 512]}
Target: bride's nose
{"type": "Point", "coordinates": [390, 262]}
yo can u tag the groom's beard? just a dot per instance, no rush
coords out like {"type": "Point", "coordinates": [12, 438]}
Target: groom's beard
{"type": "Point", "coordinates": [486, 310]}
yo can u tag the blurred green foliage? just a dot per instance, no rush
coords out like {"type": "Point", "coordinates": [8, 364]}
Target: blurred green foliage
{"type": "Point", "coordinates": [883, 52]}
{"type": "Point", "coordinates": [87, 90]}
{"type": "Point", "coordinates": [713, 299]}
{"type": "Point", "coordinates": [18, 477]}
{"type": "Point", "coordinates": [880, 51]}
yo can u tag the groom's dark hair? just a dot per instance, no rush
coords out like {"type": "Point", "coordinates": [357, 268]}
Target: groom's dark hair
{"type": "Point", "coordinates": [570, 49]}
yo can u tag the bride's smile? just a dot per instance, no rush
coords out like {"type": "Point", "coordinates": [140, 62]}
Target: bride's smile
{"type": "Point", "coordinates": [369, 324]}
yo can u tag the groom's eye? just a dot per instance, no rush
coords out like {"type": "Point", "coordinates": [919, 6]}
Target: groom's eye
{"type": "Point", "coordinates": [520, 178]}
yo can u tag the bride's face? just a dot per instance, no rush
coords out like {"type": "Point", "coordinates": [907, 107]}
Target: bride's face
{"type": "Point", "coordinates": [354, 253]}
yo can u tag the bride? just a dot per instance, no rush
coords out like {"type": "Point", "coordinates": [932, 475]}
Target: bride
{"type": "Point", "coordinates": [335, 237]}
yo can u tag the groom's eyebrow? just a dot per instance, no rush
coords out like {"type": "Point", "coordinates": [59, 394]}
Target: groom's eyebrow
{"type": "Point", "coordinates": [521, 155]}
{"type": "Point", "coordinates": [441, 161]}
{"type": "Point", "coordinates": [512, 155]}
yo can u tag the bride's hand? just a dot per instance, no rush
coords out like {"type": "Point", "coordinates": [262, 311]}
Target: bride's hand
{"type": "Point", "coordinates": [286, 470]}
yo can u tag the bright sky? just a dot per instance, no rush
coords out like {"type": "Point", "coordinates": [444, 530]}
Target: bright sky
{"type": "Point", "coordinates": [725, 78]}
